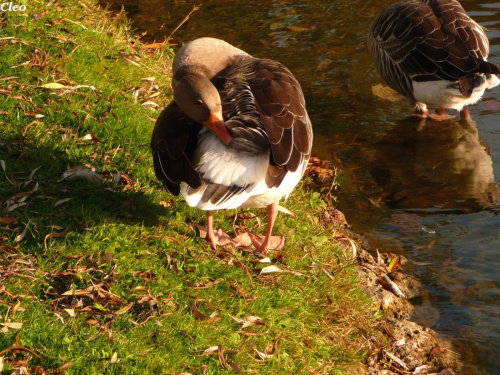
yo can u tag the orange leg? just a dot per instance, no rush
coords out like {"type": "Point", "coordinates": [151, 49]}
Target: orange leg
{"type": "Point", "coordinates": [464, 113]}
{"type": "Point", "coordinates": [272, 213]}
{"type": "Point", "coordinates": [210, 231]}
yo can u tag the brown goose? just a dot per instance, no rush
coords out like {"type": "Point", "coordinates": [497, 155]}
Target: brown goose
{"type": "Point", "coordinates": [433, 53]}
{"type": "Point", "coordinates": [237, 133]}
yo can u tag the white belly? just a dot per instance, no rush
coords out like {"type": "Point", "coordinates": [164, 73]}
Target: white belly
{"type": "Point", "coordinates": [224, 166]}
{"type": "Point", "coordinates": [439, 94]}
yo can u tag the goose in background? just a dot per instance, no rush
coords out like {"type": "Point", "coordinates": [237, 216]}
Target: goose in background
{"type": "Point", "coordinates": [434, 54]}
{"type": "Point", "coordinates": [237, 133]}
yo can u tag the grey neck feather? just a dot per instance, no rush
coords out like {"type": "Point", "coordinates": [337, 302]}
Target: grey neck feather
{"type": "Point", "coordinates": [207, 56]}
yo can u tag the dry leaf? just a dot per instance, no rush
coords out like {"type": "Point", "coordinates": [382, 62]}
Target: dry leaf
{"type": "Point", "coordinates": [70, 312]}
{"type": "Point", "coordinates": [16, 205]}
{"type": "Point", "coordinates": [124, 309]}
{"type": "Point", "coordinates": [243, 240]}
{"type": "Point", "coordinates": [150, 104]}
{"type": "Point", "coordinates": [59, 202]}
{"type": "Point", "coordinates": [249, 321]}
{"type": "Point", "coordinates": [23, 233]}
{"type": "Point", "coordinates": [53, 85]}
{"type": "Point", "coordinates": [270, 269]}
{"type": "Point", "coordinates": [114, 357]}
{"type": "Point", "coordinates": [309, 344]}
{"type": "Point", "coordinates": [12, 325]}
{"type": "Point", "coordinates": [220, 357]}
{"type": "Point", "coordinates": [64, 367]}
{"type": "Point", "coordinates": [263, 356]}
{"type": "Point", "coordinates": [286, 211]}
{"type": "Point", "coordinates": [90, 137]}
{"type": "Point", "coordinates": [391, 286]}
{"type": "Point", "coordinates": [394, 265]}
{"type": "Point", "coordinates": [211, 350]}
{"type": "Point", "coordinates": [386, 93]}
{"type": "Point", "coordinates": [7, 221]}
{"type": "Point", "coordinates": [196, 312]}
{"type": "Point", "coordinates": [84, 173]}
{"type": "Point", "coordinates": [397, 360]}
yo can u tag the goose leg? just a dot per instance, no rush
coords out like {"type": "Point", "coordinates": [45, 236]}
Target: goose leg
{"type": "Point", "coordinates": [210, 231]}
{"type": "Point", "coordinates": [272, 213]}
{"type": "Point", "coordinates": [464, 113]}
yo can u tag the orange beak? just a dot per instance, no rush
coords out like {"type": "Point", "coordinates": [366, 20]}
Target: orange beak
{"type": "Point", "coordinates": [215, 124]}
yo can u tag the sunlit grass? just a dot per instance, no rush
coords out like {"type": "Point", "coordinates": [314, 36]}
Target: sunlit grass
{"type": "Point", "coordinates": [109, 277]}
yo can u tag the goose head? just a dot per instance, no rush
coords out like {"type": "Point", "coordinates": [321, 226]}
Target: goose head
{"type": "Point", "coordinates": [199, 99]}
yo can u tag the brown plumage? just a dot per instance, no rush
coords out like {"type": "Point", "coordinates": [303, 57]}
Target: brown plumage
{"type": "Point", "coordinates": [265, 141]}
{"type": "Point", "coordinates": [420, 41]}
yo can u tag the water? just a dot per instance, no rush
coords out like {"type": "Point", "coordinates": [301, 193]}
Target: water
{"type": "Point", "coordinates": [427, 190]}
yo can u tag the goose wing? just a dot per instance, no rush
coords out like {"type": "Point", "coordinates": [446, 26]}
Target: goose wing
{"type": "Point", "coordinates": [173, 144]}
{"type": "Point", "coordinates": [268, 93]}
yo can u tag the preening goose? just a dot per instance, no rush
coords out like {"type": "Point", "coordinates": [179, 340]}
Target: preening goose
{"type": "Point", "coordinates": [433, 53]}
{"type": "Point", "coordinates": [237, 132]}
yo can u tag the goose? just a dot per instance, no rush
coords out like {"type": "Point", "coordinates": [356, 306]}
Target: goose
{"type": "Point", "coordinates": [237, 133]}
{"type": "Point", "coordinates": [434, 54]}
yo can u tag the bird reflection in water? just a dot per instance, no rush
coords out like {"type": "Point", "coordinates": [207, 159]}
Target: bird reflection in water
{"type": "Point", "coordinates": [441, 165]}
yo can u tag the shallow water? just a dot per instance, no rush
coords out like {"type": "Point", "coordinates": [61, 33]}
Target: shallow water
{"type": "Point", "coordinates": [427, 189]}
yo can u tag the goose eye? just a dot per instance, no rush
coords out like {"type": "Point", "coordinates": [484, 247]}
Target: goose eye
{"type": "Point", "coordinates": [199, 102]}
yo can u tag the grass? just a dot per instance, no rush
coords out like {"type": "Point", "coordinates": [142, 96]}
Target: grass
{"type": "Point", "coordinates": [109, 277]}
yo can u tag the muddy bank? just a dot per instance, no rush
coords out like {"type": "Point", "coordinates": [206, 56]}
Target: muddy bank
{"type": "Point", "coordinates": [388, 280]}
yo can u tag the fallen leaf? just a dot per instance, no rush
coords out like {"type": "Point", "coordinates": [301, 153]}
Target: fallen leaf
{"type": "Point", "coordinates": [243, 240]}
{"type": "Point", "coordinates": [421, 370]}
{"type": "Point", "coordinates": [53, 85]}
{"type": "Point", "coordinates": [386, 93]}
{"type": "Point", "coordinates": [397, 360]}
{"type": "Point", "coordinates": [270, 269]}
{"type": "Point", "coordinates": [16, 205]}
{"type": "Point", "coordinates": [211, 350]}
{"type": "Point", "coordinates": [23, 233]}
{"type": "Point", "coordinates": [64, 367]}
{"type": "Point", "coordinates": [196, 312]}
{"type": "Point", "coordinates": [59, 202]}
{"type": "Point", "coordinates": [249, 321]}
{"type": "Point", "coordinates": [90, 137]}
{"type": "Point", "coordinates": [114, 357]}
{"type": "Point", "coordinates": [309, 344]}
{"type": "Point", "coordinates": [7, 221]}
{"type": "Point", "coordinates": [12, 325]}
{"type": "Point", "coordinates": [124, 309]}
{"type": "Point", "coordinates": [394, 265]}
{"type": "Point", "coordinates": [220, 357]}
{"type": "Point", "coordinates": [286, 211]}
{"type": "Point", "coordinates": [84, 173]}
{"type": "Point", "coordinates": [70, 312]}
{"type": "Point", "coordinates": [150, 104]}
{"type": "Point", "coordinates": [263, 356]}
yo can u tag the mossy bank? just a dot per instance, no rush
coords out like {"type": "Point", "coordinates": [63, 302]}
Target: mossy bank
{"type": "Point", "coordinates": [102, 272]}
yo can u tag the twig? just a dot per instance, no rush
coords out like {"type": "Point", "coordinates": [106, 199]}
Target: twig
{"type": "Point", "coordinates": [196, 7]}
{"type": "Point", "coordinates": [22, 349]}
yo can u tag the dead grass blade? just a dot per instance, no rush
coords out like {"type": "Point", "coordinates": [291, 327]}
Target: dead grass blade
{"type": "Point", "coordinates": [56, 235]}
